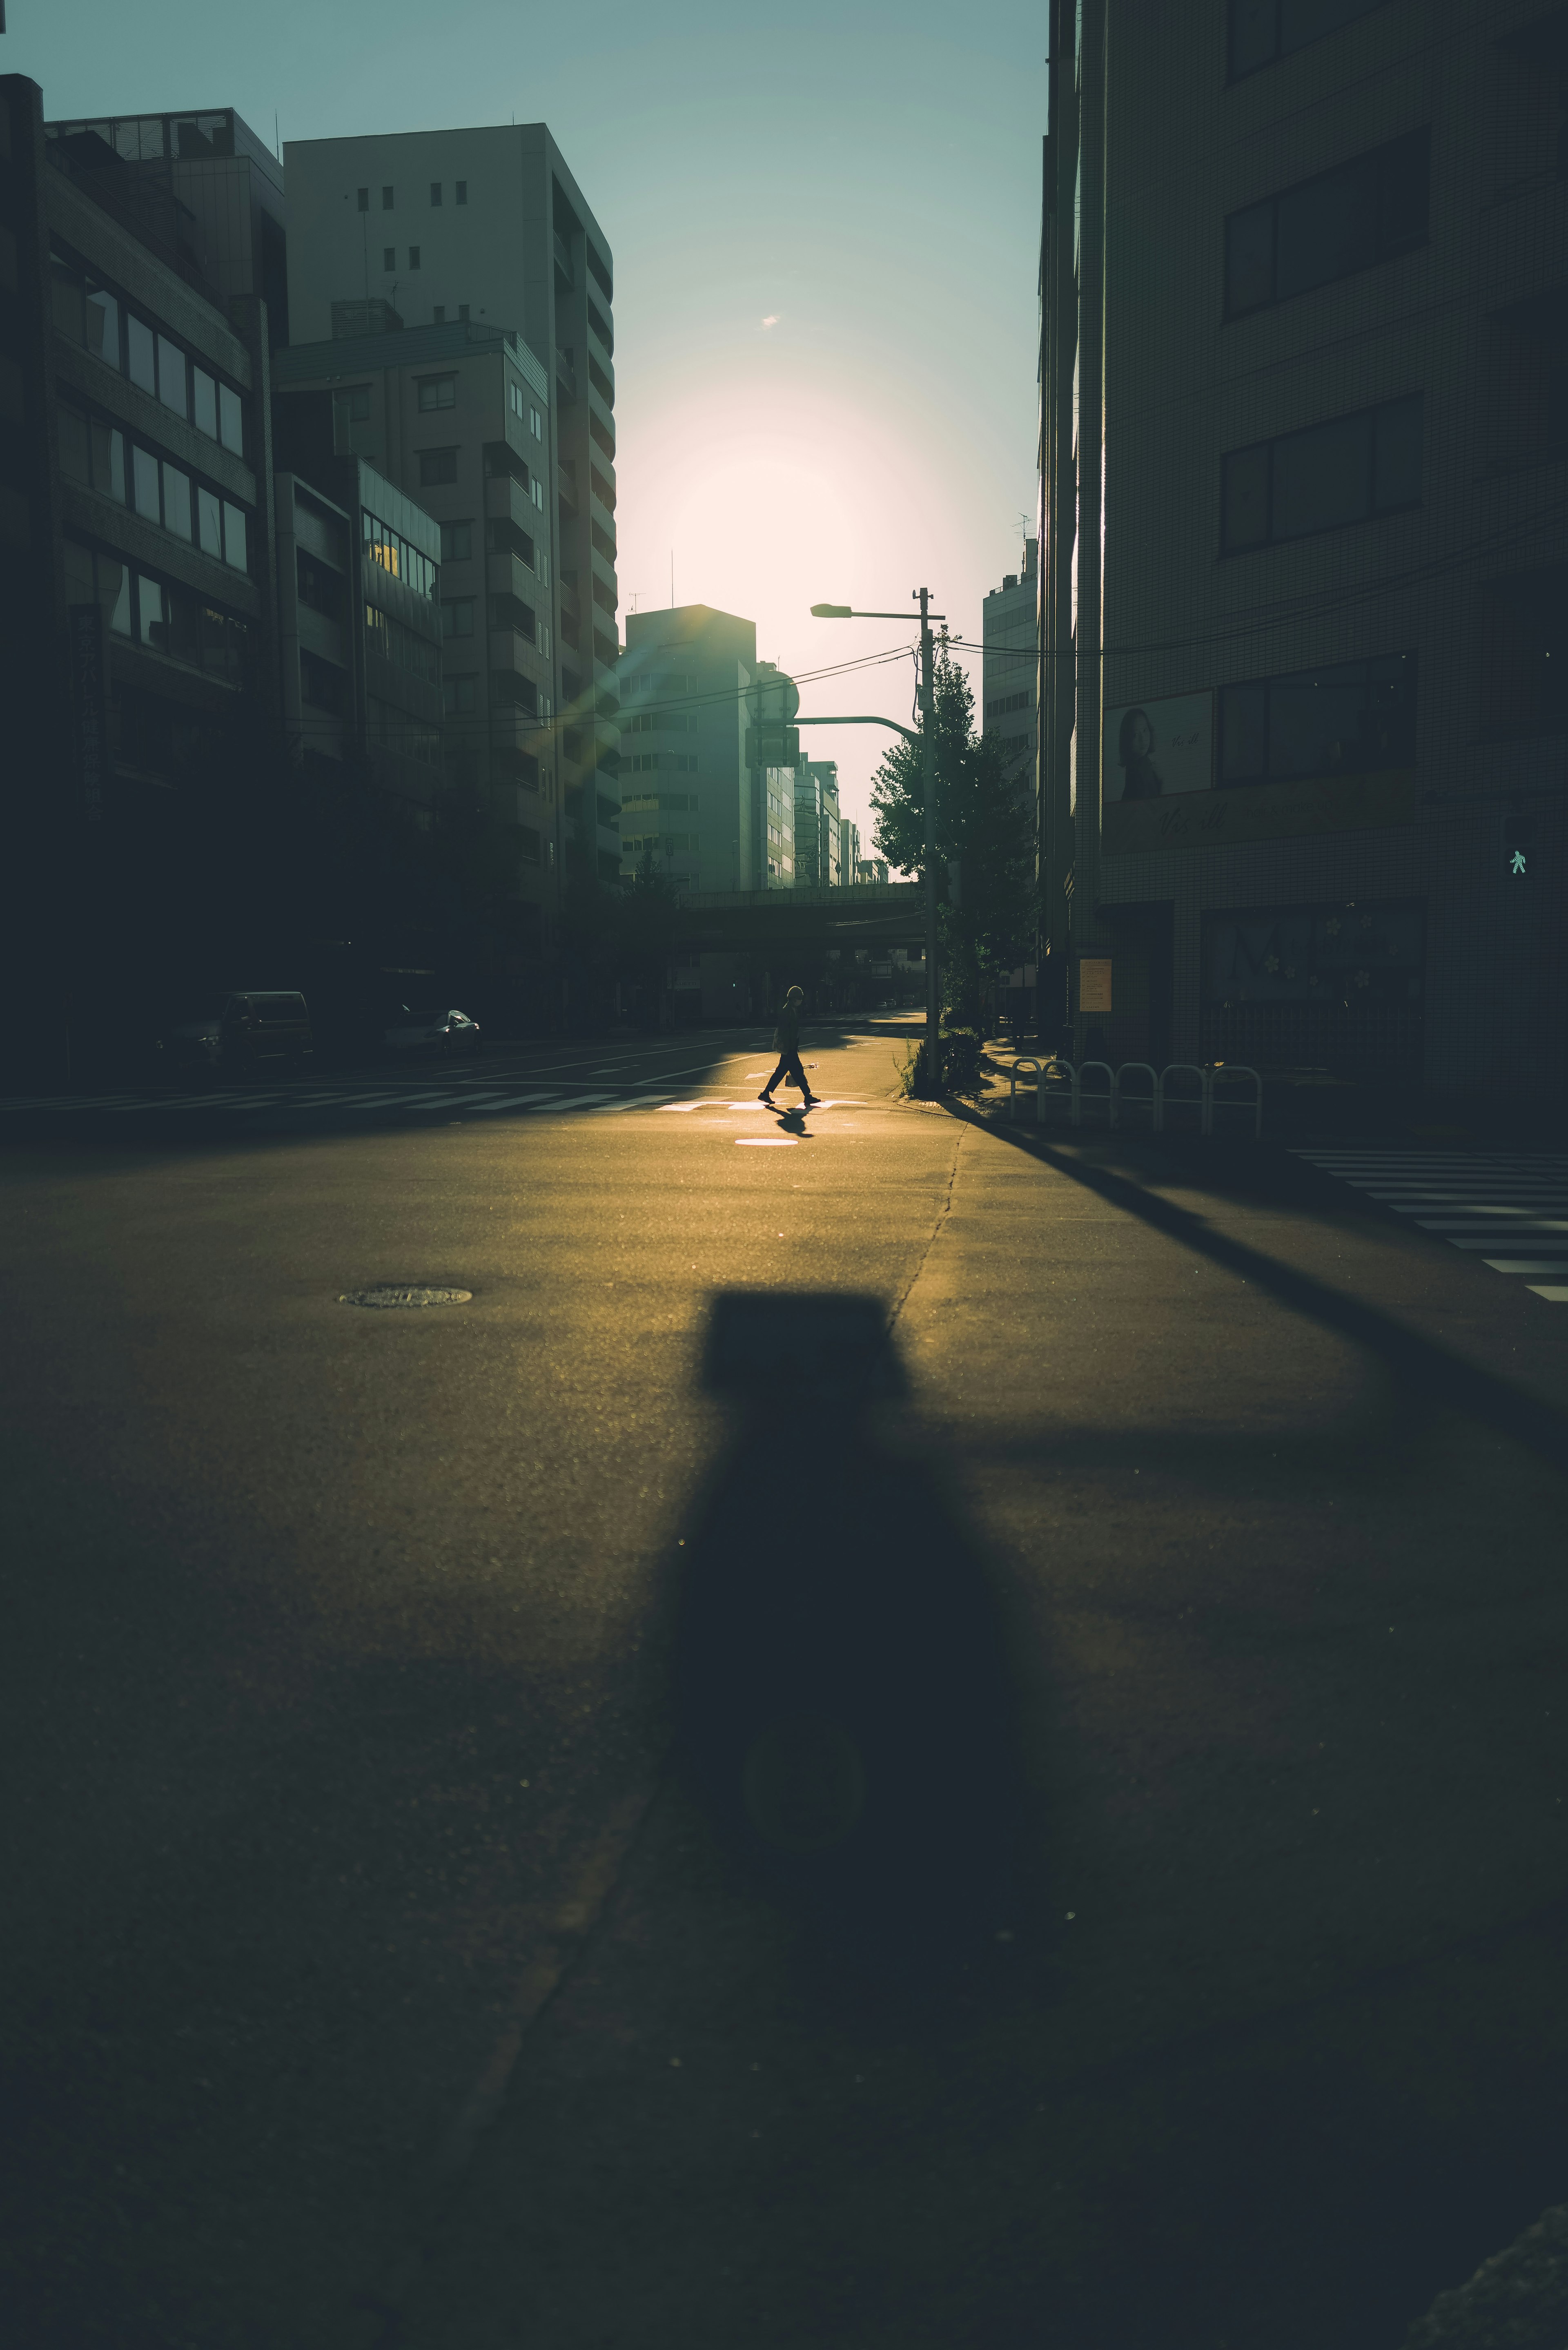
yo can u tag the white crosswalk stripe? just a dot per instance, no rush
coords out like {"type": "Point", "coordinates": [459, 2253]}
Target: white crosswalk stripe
{"type": "Point", "coordinates": [1495, 1203]}
{"type": "Point", "coordinates": [470, 1094]}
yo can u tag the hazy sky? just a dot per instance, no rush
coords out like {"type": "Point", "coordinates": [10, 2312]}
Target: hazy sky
{"type": "Point", "coordinates": [824, 225]}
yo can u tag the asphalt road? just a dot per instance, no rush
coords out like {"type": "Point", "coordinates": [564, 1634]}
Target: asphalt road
{"type": "Point", "coordinates": [895, 1734]}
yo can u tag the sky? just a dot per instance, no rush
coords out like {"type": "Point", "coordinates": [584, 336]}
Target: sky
{"type": "Point", "coordinates": [825, 222]}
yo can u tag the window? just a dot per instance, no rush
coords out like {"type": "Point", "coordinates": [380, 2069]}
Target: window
{"type": "Point", "coordinates": [456, 542]}
{"type": "Point", "coordinates": [1348, 720]}
{"type": "Point", "coordinates": [176, 501]}
{"type": "Point", "coordinates": [413, 256]}
{"type": "Point", "coordinates": [403, 646]}
{"type": "Point", "coordinates": [435, 194]}
{"type": "Point", "coordinates": [103, 325]}
{"type": "Point", "coordinates": [384, 546]}
{"type": "Point", "coordinates": [457, 695]}
{"type": "Point", "coordinates": [73, 429]}
{"type": "Point", "coordinates": [235, 549]}
{"type": "Point", "coordinates": [1262, 31]}
{"type": "Point", "coordinates": [457, 617]}
{"type": "Point", "coordinates": [204, 402]}
{"type": "Point", "coordinates": [1328, 227]}
{"type": "Point", "coordinates": [231, 421]}
{"type": "Point", "coordinates": [140, 348]}
{"type": "Point", "coordinates": [1347, 470]}
{"type": "Point", "coordinates": [1524, 644]}
{"type": "Point", "coordinates": [386, 199]}
{"type": "Point", "coordinates": [437, 466]}
{"type": "Point", "coordinates": [172, 389]}
{"type": "Point", "coordinates": [144, 483]}
{"type": "Point", "coordinates": [349, 407]}
{"type": "Point", "coordinates": [209, 522]}
{"type": "Point", "coordinates": [535, 424]}
{"type": "Point", "coordinates": [437, 391]}
{"type": "Point", "coordinates": [460, 193]}
{"type": "Point", "coordinates": [536, 492]}
{"type": "Point", "coordinates": [389, 257]}
{"type": "Point", "coordinates": [152, 615]}
{"type": "Point", "coordinates": [364, 199]}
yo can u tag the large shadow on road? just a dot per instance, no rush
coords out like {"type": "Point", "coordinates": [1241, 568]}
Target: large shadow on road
{"type": "Point", "coordinates": [843, 1699]}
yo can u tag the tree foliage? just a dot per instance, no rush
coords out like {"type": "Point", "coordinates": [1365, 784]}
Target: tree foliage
{"type": "Point", "coordinates": [979, 819]}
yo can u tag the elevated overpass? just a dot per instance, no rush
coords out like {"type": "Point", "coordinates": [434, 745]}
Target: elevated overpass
{"type": "Point", "coordinates": [773, 923]}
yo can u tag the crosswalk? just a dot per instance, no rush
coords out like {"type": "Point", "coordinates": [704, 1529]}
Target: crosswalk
{"type": "Point", "coordinates": [1509, 1207]}
{"type": "Point", "coordinates": [472, 1097]}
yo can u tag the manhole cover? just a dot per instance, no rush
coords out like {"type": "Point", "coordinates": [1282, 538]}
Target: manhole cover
{"type": "Point", "coordinates": [398, 1293]}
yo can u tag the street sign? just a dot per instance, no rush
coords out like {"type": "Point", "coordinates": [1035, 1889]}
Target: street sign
{"type": "Point", "coordinates": [773, 701]}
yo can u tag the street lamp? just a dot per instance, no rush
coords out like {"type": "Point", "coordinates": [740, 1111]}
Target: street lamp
{"type": "Point", "coordinates": [927, 738]}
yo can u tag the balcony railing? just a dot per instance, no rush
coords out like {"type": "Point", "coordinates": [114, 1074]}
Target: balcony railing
{"type": "Point", "coordinates": [567, 373]}
{"type": "Point", "coordinates": [567, 484]}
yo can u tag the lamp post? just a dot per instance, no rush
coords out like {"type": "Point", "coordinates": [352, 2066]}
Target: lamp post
{"type": "Point", "coordinates": [927, 738]}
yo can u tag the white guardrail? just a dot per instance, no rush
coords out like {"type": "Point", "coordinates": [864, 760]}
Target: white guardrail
{"type": "Point", "coordinates": [1059, 1086]}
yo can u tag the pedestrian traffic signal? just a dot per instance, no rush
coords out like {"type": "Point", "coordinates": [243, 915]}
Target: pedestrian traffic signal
{"type": "Point", "coordinates": [1518, 848]}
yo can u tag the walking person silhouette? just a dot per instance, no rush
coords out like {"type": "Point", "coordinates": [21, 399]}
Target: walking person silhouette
{"type": "Point", "coordinates": [786, 1037]}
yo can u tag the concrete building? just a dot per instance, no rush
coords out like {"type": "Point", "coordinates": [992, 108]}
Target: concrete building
{"type": "Point", "coordinates": [487, 227]}
{"type": "Point", "coordinates": [360, 634]}
{"type": "Point", "coordinates": [688, 796]}
{"type": "Point", "coordinates": [201, 187]}
{"type": "Point", "coordinates": [1010, 665]}
{"type": "Point", "coordinates": [456, 419]}
{"type": "Point", "coordinates": [139, 643]}
{"type": "Point", "coordinates": [1305, 278]}
{"type": "Point", "coordinates": [849, 851]}
{"type": "Point", "coordinates": [819, 848]}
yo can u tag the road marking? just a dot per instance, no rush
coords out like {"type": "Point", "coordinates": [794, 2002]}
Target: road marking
{"type": "Point", "coordinates": [766, 1141]}
{"type": "Point", "coordinates": [1488, 1202]}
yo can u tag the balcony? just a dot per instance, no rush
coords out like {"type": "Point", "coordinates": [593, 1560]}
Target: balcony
{"type": "Point", "coordinates": [566, 377]}
{"type": "Point", "coordinates": [571, 606]}
{"type": "Point", "coordinates": [507, 500]}
{"type": "Point", "coordinates": [563, 261]}
{"type": "Point", "coordinates": [567, 489]}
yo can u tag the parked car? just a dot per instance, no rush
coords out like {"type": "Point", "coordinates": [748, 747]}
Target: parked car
{"type": "Point", "coordinates": [265, 1024]}
{"type": "Point", "coordinates": [430, 1032]}
{"type": "Point", "coordinates": [189, 1046]}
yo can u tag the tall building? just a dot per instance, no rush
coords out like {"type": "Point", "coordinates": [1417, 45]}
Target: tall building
{"type": "Point", "coordinates": [1305, 276]}
{"type": "Point", "coordinates": [202, 189]}
{"type": "Point", "coordinates": [849, 851]}
{"type": "Point", "coordinates": [435, 229]}
{"type": "Point", "coordinates": [139, 614]}
{"type": "Point", "coordinates": [818, 842]}
{"type": "Point", "coordinates": [689, 798]}
{"type": "Point", "coordinates": [456, 419]}
{"type": "Point", "coordinates": [1010, 663]}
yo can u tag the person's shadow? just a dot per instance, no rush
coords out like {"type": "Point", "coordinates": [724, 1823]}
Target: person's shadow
{"type": "Point", "coordinates": [844, 1706]}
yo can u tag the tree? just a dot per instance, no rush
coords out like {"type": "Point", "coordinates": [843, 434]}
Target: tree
{"type": "Point", "coordinates": [979, 819]}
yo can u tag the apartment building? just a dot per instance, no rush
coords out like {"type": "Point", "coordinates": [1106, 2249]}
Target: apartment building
{"type": "Point", "coordinates": [1304, 280]}
{"type": "Point", "coordinates": [487, 228]}
{"type": "Point", "coordinates": [140, 641]}
{"type": "Point", "coordinates": [1010, 664]}
{"type": "Point", "coordinates": [454, 420]}
{"type": "Point", "coordinates": [204, 184]}
{"type": "Point", "coordinates": [819, 846]}
{"type": "Point", "coordinates": [359, 635]}
{"type": "Point", "coordinates": [688, 797]}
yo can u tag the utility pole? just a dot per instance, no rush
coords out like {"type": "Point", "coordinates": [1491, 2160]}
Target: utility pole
{"type": "Point", "coordinates": [928, 770]}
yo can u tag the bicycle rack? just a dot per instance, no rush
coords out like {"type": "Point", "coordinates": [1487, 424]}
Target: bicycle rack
{"type": "Point", "coordinates": [1203, 1103]}
{"type": "Point", "coordinates": [1221, 1075]}
{"type": "Point", "coordinates": [1109, 1096]}
{"type": "Point", "coordinates": [1136, 1101]}
{"type": "Point", "coordinates": [1055, 1081]}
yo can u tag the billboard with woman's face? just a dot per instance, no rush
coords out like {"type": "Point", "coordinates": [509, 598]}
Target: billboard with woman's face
{"type": "Point", "coordinates": [1155, 749]}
